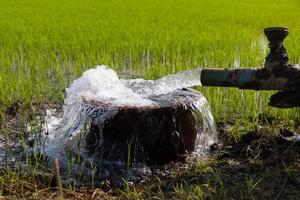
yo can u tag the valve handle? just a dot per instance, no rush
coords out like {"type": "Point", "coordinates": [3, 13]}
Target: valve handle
{"type": "Point", "coordinates": [278, 55]}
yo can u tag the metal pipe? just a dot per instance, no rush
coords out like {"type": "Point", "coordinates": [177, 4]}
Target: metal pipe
{"type": "Point", "coordinates": [253, 79]}
{"type": "Point", "coordinates": [277, 73]}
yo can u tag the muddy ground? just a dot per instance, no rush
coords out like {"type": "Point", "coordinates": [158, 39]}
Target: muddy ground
{"type": "Point", "coordinates": [251, 161]}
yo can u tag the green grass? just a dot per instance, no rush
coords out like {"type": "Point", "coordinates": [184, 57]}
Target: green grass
{"type": "Point", "coordinates": [44, 44]}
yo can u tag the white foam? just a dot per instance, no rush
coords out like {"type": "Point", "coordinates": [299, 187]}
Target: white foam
{"type": "Point", "coordinates": [103, 84]}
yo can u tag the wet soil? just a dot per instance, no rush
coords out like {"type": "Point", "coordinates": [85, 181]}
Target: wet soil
{"type": "Point", "coordinates": [252, 163]}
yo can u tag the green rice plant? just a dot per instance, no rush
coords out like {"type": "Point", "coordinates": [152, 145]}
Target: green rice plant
{"type": "Point", "coordinates": [240, 128]}
{"type": "Point", "coordinates": [93, 171]}
{"type": "Point", "coordinates": [130, 192]}
{"type": "Point", "coordinates": [44, 45]}
{"type": "Point", "coordinates": [251, 186]}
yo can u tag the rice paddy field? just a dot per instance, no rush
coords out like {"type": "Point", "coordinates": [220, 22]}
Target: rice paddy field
{"type": "Point", "coordinates": [46, 44]}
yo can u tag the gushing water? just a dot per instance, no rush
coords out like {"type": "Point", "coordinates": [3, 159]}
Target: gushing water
{"type": "Point", "coordinates": [169, 83]}
{"type": "Point", "coordinates": [102, 84]}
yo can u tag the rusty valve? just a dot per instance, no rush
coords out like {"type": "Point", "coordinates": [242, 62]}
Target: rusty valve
{"type": "Point", "coordinates": [278, 55]}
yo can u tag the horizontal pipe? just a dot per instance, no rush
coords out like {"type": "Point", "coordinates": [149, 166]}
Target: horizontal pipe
{"type": "Point", "coordinates": [247, 78]}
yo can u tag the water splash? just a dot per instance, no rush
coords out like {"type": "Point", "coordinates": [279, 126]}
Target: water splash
{"type": "Point", "coordinates": [166, 84]}
{"type": "Point", "coordinates": [102, 84]}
